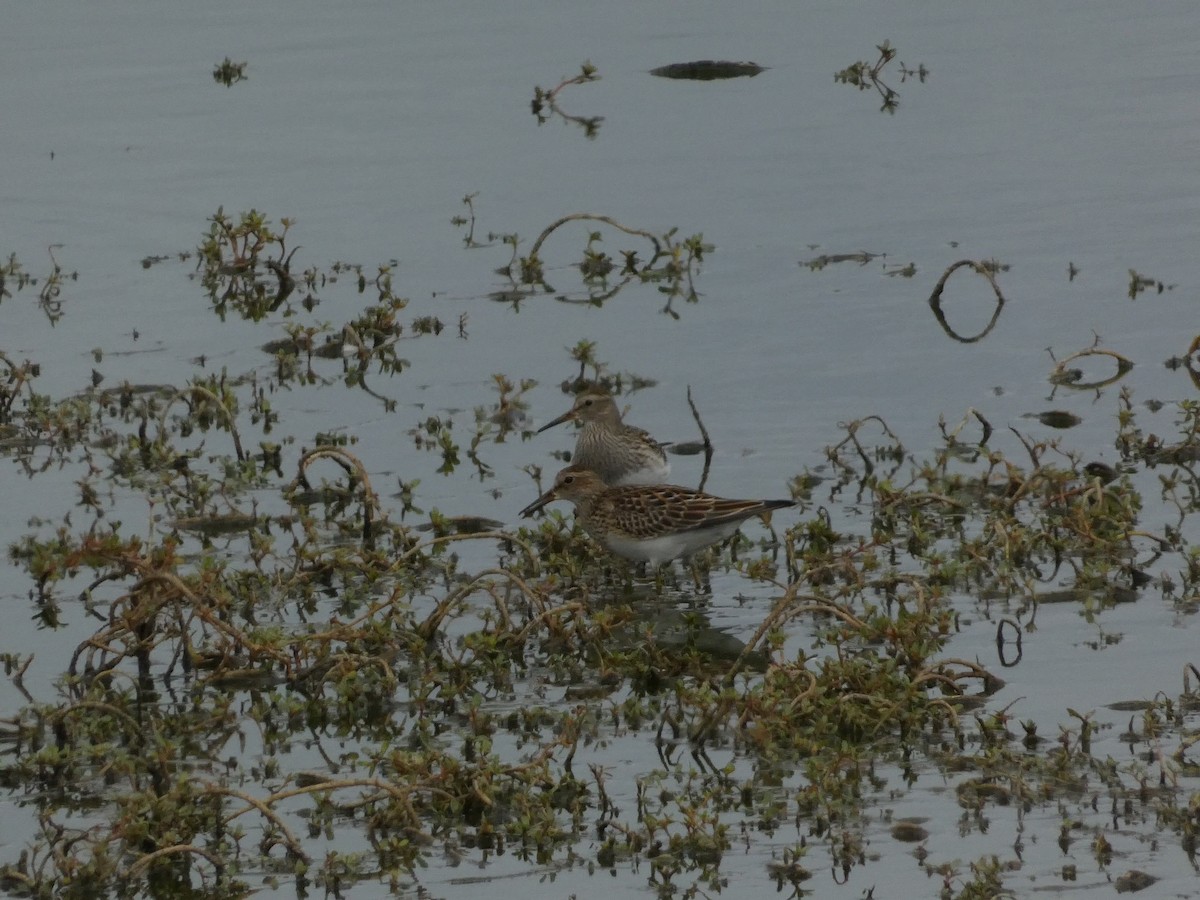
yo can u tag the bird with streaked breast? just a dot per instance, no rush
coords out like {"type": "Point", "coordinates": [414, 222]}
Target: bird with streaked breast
{"type": "Point", "coordinates": [618, 453]}
{"type": "Point", "coordinates": [650, 523]}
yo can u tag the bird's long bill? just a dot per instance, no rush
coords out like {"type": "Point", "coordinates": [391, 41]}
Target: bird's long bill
{"type": "Point", "coordinates": [565, 417]}
{"type": "Point", "coordinates": [537, 504]}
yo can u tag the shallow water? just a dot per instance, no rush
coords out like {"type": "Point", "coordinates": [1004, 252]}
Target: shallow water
{"type": "Point", "coordinates": [1043, 137]}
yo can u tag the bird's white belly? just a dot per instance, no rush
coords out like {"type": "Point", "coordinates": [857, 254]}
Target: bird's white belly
{"type": "Point", "coordinates": [657, 550]}
{"type": "Point", "coordinates": [648, 475]}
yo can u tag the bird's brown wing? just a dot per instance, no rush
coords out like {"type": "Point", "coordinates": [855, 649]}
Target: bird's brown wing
{"type": "Point", "coordinates": [646, 437]}
{"type": "Point", "coordinates": [641, 511]}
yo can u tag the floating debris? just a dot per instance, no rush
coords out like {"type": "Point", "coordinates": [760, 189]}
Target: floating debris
{"type": "Point", "coordinates": [1103, 471]}
{"type": "Point", "coordinates": [1134, 880]}
{"type": "Point", "coordinates": [685, 448]}
{"type": "Point", "coordinates": [1056, 418]}
{"type": "Point", "coordinates": [244, 680]}
{"type": "Point", "coordinates": [708, 70]}
{"type": "Point", "coordinates": [910, 831]}
{"type": "Point", "coordinates": [461, 525]}
{"type": "Point", "coordinates": [862, 257]}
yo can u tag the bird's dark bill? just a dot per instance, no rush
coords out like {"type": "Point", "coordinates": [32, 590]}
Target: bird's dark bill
{"type": "Point", "coordinates": [567, 416]}
{"type": "Point", "coordinates": [537, 504]}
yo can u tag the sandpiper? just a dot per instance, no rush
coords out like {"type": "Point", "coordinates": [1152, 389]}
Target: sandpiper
{"type": "Point", "coordinates": [649, 523]}
{"type": "Point", "coordinates": [618, 453]}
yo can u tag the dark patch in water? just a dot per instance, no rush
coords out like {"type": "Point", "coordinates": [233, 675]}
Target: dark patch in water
{"type": "Point", "coordinates": [708, 70]}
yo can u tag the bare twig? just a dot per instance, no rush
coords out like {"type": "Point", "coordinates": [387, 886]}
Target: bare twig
{"type": "Point", "coordinates": [708, 447]}
{"type": "Point", "coordinates": [935, 300]}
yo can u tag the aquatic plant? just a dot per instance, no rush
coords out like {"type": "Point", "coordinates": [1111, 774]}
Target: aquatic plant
{"type": "Point", "coordinates": [864, 75]}
{"type": "Point", "coordinates": [545, 103]}
{"type": "Point", "coordinates": [229, 73]}
{"type": "Point", "coordinates": [279, 662]}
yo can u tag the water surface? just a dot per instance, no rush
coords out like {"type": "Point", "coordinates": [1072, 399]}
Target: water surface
{"type": "Point", "coordinates": [1043, 137]}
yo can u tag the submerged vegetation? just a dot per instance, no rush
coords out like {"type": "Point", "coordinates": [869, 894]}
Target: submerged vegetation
{"type": "Point", "coordinates": [289, 680]}
{"type": "Point", "coordinates": [545, 103]}
{"type": "Point", "coordinates": [672, 266]}
{"type": "Point", "coordinates": [229, 73]}
{"type": "Point", "coordinates": [865, 75]}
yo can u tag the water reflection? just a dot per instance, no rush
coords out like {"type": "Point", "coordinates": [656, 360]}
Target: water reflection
{"type": "Point", "coordinates": [985, 269]}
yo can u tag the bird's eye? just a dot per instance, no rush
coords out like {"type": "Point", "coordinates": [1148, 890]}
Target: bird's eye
{"type": "Point", "coordinates": [588, 402]}
{"type": "Point", "coordinates": [570, 479]}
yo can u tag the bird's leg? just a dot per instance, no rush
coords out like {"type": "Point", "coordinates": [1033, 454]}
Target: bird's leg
{"type": "Point", "coordinates": [619, 577]}
{"type": "Point", "coordinates": [775, 544]}
{"type": "Point", "coordinates": [610, 577]}
{"type": "Point", "coordinates": [664, 576]}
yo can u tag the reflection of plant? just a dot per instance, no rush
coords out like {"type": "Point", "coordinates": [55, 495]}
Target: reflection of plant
{"type": "Point", "coordinates": [987, 269]}
{"type": "Point", "coordinates": [229, 73]}
{"type": "Point", "coordinates": [1139, 283]}
{"type": "Point", "coordinates": [864, 75]}
{"type": "Point", "coordinates": [469, 221]}
{"type": "Point", "coordinates": [493, 424]}
{"type": "Point", "coordinates": [595, 373]}
{"type": "Point", "coordinates": [671, 267]}
{"type": "Point", "coordinates": [15, 381]}
{"type": "Point", "coordinates": [546, 102]}
{"type": "Point", "coordinates": [49, 286]}
{"type": "Point", "coordinates": [231, 258]}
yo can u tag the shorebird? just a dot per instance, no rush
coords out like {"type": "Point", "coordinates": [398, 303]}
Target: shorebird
{"type": "Point", "coordinates": [649, 523]}
{"type": "Point", "coordinates": [618, 453]}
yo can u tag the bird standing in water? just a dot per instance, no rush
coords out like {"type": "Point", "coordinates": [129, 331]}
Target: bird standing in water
{"type": "Point", "coordinates": [649, 523]}
{"type": "Point", "coordinates": [618, 453]}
